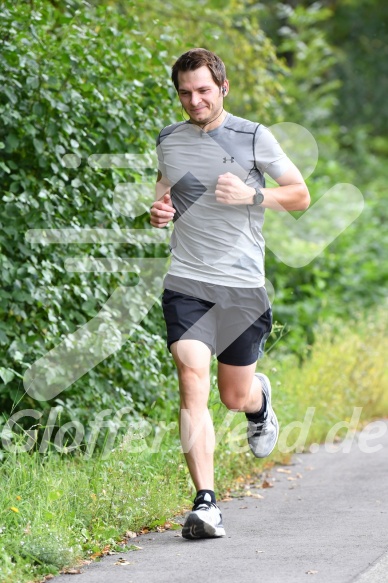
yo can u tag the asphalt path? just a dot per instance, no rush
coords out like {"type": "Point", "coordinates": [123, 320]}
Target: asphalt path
{"type": "Point", "coordinates": [324, 519]}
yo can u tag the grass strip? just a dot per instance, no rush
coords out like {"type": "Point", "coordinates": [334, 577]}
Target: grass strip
{"type": "Point", "coordinates": [57, 509]}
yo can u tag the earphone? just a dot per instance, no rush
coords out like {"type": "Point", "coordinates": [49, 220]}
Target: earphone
{"type": "Point", "coordinates": [224, 91]}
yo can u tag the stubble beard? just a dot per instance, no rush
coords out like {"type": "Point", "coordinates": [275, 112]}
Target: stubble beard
{"type": "Point", "coordinates": [209, 119]}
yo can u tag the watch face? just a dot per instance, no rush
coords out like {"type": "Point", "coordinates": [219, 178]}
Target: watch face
{"type": "Point", "coordinates": [258, 197]}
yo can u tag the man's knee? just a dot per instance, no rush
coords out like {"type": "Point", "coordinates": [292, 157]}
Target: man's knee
{"type": "Point", "coordinates": [233, 400]}
{"type": "Point", "coordinates": [235, 385]}
{"type": "Point", "coordinates": [191, 379]}
{"type": "Point", "coordinates": [194, 386]}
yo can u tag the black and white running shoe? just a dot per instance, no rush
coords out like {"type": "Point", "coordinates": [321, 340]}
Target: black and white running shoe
{"type": "Point", "coordinates": [204, 521]}
{"type": "Point", "coordinates": [262, 436]}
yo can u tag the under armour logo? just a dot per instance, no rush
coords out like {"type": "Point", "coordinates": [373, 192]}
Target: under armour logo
{"type": "Point", "coordinates": [230, 160]}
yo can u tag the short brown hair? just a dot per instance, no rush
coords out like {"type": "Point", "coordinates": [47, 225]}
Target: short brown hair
{"type": "Point", "coordinates": [196, 58]}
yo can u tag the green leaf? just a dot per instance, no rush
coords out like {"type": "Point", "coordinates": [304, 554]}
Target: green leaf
{"type": "Point", "coordinates": [134, 548]}
{"type": "Point", "coordinates": [54, 495]}
{"type": "Point", "coordinates": [7, 375]}
{"type": "Point", "coordinates": [3, 337]}
{"type": "Point", "coordinates": [12, 142]}
{"type": "Point", "coordinates": [5, 167]}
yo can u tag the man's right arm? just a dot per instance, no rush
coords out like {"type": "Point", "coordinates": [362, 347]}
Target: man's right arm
{"type": "Point", "coordinates": [162, 210]}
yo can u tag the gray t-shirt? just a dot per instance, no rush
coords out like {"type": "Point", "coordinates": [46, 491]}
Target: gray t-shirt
{"type": "Point", "coordinates": [211, 241]}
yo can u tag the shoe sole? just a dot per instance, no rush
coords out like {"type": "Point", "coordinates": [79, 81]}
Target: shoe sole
{"type": "Point", "coordinates": [269, 403]}
{"type": "Point", "coordinates": [195, 528]}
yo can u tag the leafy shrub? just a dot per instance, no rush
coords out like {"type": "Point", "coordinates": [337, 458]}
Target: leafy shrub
{"type": "Point", "coordinates": [79, 80]}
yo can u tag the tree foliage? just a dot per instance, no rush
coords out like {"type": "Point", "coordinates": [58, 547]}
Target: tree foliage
{"type": "Point", "coordinates": [75, 80]}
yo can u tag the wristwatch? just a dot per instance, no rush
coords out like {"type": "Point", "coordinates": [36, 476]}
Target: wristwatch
{"type": "Point", "coordinates": [258, 197]}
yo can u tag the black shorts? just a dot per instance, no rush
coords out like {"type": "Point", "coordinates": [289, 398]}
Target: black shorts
{"type": "Point", "coordinates": [233, 322]}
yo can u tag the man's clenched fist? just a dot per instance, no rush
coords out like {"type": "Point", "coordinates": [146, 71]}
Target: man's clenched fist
{"type": "Point", "coordinates": [231, 189]}
{"type": "Point", "coordinates": [162, 212]}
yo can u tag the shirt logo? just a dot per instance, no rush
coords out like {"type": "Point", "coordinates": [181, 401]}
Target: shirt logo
{"type": "Point", "coordinates": [229, 160]}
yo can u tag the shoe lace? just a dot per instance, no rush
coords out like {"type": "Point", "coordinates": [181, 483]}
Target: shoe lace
{"type": "Point", "coordinates": [204, 506]}
{"type": "Point", "coordinates": [259, 427]}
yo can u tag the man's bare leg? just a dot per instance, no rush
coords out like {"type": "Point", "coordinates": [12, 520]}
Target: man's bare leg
{"type": "Point", "coordinates": [240, 389]}
{"type": "Point", "coordinates": [192, 359]}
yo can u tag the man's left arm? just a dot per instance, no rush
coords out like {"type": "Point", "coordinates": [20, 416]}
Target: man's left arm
{"type": "Point", "coordinates": [291, 195]}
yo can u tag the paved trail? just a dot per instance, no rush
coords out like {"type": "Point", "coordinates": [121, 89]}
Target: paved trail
{"type": "Point", "coordinates": [324, 522]}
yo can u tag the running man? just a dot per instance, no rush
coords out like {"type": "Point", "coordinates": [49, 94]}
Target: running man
{"type": "Point", "coordinates": [211, 184]}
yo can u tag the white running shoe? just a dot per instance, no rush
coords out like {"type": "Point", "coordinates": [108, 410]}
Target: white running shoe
{"type": "Point", "coordinates": [262, 436]}
{"type": "Point", "coordinates": [204, 521]}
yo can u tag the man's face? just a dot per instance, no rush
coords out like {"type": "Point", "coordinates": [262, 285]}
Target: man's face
{"type": "Point", "coordinates": [199, 95]}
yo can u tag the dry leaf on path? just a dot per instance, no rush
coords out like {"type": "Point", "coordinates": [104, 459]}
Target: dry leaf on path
{"type": "Point", "coordinates": [123, 562]}
{"type": "Point", "coordinates": [266, 484]}
{"type": "Point", "coordinates": [311, 572]}
{"type": "Point", "coordinates": [283, 471]}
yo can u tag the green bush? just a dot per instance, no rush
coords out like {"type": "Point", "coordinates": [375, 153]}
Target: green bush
{"type": "Point", "coordinates": [84, 81]}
